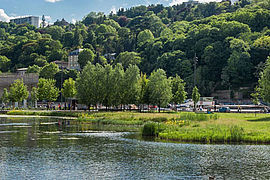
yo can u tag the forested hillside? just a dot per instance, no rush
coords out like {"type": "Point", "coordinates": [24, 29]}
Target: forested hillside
{"type": "Point", "coordinates": [230, 42]}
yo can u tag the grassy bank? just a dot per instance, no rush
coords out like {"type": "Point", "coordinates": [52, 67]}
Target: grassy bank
{"type": "Point", "coordinates": [182, 127]}
{"type": "Point", "coordinates": [126, 118]}
{"type": "Point", "coordinates": [191, 127]}
{"type": "Point", "coordinates": [227, 128]}
{"type": "Point", "coordinates": [44, 113]}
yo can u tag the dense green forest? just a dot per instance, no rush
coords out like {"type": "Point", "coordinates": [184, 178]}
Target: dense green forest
{"type": "Point", "coordinates": [228, 42]}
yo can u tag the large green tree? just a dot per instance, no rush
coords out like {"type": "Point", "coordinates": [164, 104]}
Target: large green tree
{"type": "Point", "coordinates": [49, 71]}
{"type": "Point", "coordinates": [264, 82]}
{"type": "Point", "coordinates": [118, 79]}
{"type": "Point", "coordinates": [160, 88]}
{"type": "Point", "coordinates": [47, 90]}
{"type": "Point", "coordinates": [127, 58]}
{"type": "Point", "coordinates": [69, 89]}
{"type": "Point", "coordinates": [4, 63]}
{"type": "Point", "coordinates": [5, 96]}
{"type": "Point", "coordinates": [85, 85]}
{"type": "Point", "coordinates": [18, 91]}
{"type": "Point", "coordinates": [131, 85]}
{"type": "Point", "coordinates": [85, 56]}
{"type": "Point", "coordinates": [144, 36]}
{"type": "Point", "coordinates": [178, 90]}
{"type": "Point", "coordinates": [143, 90]}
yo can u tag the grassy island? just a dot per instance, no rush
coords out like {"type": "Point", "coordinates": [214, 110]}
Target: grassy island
{"type": "Point", "coordinates": [181, 126]}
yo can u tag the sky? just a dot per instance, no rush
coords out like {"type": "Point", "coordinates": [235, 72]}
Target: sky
{"type": "Point", "coordinates": [71, 10]}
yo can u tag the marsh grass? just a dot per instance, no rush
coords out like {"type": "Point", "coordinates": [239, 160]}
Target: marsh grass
{"type": "Point", "coordinates": [183, 126]}
{"type": "Point", "coordinates": [227, 128]}
{"type": "Point", "coordinates": [198, 116]}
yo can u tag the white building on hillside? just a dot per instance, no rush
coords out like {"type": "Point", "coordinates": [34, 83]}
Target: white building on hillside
{"type": "Point", "coordinates": [73, 59]}
{"type": "Point", "coordinates": [33, 20]}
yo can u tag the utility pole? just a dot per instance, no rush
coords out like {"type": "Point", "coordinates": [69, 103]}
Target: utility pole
{"type": "Point", "coordinates": [61, 82]}
{"type": "Point", "coordinates": [195, 63]}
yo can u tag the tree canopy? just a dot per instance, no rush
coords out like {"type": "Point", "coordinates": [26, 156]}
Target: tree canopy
{"type": "Point", "coordinates": [230, 41]}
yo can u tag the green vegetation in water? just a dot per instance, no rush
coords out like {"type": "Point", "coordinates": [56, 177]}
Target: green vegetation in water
{"type": "Point", "coordinates": [183, 127]}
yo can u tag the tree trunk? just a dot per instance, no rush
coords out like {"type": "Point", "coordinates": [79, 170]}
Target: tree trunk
{"type": "Point", "coordinates": [70, 105]}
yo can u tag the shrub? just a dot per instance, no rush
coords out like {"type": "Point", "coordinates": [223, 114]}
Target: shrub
{"type": "Point", "coordinates": [150, 129]}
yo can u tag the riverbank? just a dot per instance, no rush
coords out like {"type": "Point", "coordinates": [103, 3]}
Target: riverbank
{"type": "Point", "coordinates": [44, 113]}
{"type": "Point", "coordinates": [181, 126]}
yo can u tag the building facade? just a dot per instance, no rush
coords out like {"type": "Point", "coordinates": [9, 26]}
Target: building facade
{"type": "Point", "coordinates": [32, 20]}
{"type": "Point", "coordinates": [73, 58]}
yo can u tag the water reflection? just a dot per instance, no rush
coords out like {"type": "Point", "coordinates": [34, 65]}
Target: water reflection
{"type": "Point", "coordinates": [46, 149]}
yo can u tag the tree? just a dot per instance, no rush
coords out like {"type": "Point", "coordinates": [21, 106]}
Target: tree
{"type": "Point", "coordinates": [264, 82]}
{"type": "Point", "coordinates": [85, 56]}
{"type": "Point", "coordinates": [118, 85]}
{"type": "Point", "coordinates": [178, 90]}
{"type": "Point", "coordinates": [4, 63]}
{"type": "Point", "coordinates": [85, 85]}
{"type": "Point", "coordinates": [47, 90]}
{"type": "Point", "coordinates": [34, 96]}
{"type": "Point", "coordinates": [49, 71]}
{"type": "Point", "coordinates": [160, 88]}
{"type": "Point", "coordinates": [18, 91]}
{"type": "Point", "coordinates": [143, 90]}
{"type": "Point", "coordinates": [127, 58]}
{"type": "Point", "coordinates": [55, 31]}
{"type": "Point", "coordinates": [39, 60]}
{"type": "Point", "coordinates": [195, 96]}
{"type": "Point", "coordinates": [33, 69]}
{"type": "Point", "coordinates": [131, 86]}
{"type": "Point", "coordinates": [69, 90]}
{"type": "Point", "coordinates": [78, 38]}
{"type": "Point", "coordinates": [144, 36]}
{"type": "Point", "coordinates": [239, 67]}
{"type": "Point", "coordinates": [174, 63]}
{"type": "Point", "coordinates": [5, 96]}
{"type": "Point", "coordinates": [68, 39]}
{"type": "Point", "coordinates": [107, 84]}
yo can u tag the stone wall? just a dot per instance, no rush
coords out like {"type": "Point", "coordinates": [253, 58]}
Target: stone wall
{"type": "Point", "coordinates": [29, 79]}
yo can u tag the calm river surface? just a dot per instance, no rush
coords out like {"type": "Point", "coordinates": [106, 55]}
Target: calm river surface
{"type": "Point", "coordinates": [33, 148]}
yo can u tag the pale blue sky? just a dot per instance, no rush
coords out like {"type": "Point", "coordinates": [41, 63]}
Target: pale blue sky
{"type": "Point", "coordinates": [71, 10]}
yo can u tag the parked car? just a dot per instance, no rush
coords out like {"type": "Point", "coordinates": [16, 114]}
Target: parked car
{"type": "Point", "coordinates": [224, 109]}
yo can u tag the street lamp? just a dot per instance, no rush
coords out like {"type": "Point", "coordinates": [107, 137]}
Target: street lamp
{"type": "Point", "coordinates": [61, 82]}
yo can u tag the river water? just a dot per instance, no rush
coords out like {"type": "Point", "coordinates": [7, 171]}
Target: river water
{"type": "Point", "coordinates": [34, 148]}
